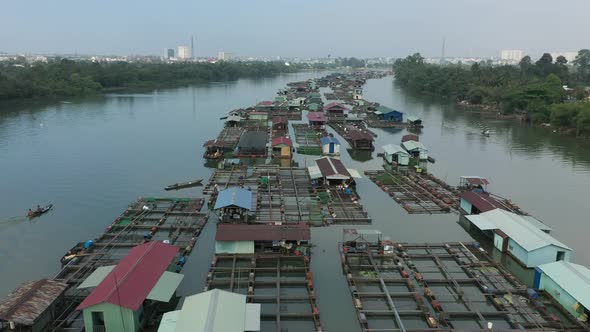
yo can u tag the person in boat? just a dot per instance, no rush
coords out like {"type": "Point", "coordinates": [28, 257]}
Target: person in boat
{"type": "Point", "coordinates": [39, 208]}
{"type": "Point", "coordinates": [30, 213]}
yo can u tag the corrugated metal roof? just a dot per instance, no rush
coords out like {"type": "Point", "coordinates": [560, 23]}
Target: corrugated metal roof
{"type": "Point", "coordinates": [252, 322]}
{"type": "Point", "coordinates": [234, 247]}
{"type": "Point", "coordinates": [165, 287]}
{"type": "Point", "coordinates": [316, 116]}
{"type": "Point", "coordinates": [573, 278]}
{"type": "Point", "coordinates": [234, 118]}
{"type": "Point", "coordinates": [413, 145]}
{"type": "Point", "coordinates": [357, 135]}
{"type": "Point", "coordinates": [213, 311]}
{"type": "Point", "coordinates": [394, 149]}
{"type": "Point", "coordinates": [332, 168]}
{"type": "Point", "coordinates": [475, 180]}
{"type": "Point", "coordinates": [410, 137]}
{"type": "Point", "coordinates": [234, 197]}
{"type": "Point", "coordinates": [281, 140]}
{"type": "Point", "coordinates": [354, 173]}
{"type": "Point", "coordinates": [261, 232]}
{"type": "Point", "coordinates": [130, 282]}
{"type": "Point", "coordinates": [25, 304]}
{"type": "Point", "coordinates": [253, 140]}
{"type": "Point", "coordinates": [168, 321]}
{"type": "Point", "coordinates": [329, 139]}
{"type": "Point", "coordinates": [314, 172]}
{"type": "Point", "coordinates": [519, 229]}
{"type": "Point", "coordinates": [412, 118]}
{"type": "Point", "coordinates": [97, 276]}
{"type": "Point", "coordinates": [482, 201]}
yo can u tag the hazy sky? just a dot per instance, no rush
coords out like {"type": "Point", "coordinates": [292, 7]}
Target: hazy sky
{"type": "Point", "coordinates": [359, 28]}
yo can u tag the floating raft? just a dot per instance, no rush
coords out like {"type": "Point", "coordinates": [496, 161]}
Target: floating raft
{"type": "Point", "coordinates": [308, 139]}
{"type": "Point", "coordinates": [415, 192]}
{"type": "Point", "coordinates": [443, 287]}
{"type": "Point", "coordinates": [283, 285]}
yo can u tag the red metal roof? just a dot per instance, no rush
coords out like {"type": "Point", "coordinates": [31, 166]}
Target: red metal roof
{"type": "Point", "coordinates": [281, 140]}
{"type": "Point", "coordinates": [357, 135]}
{"type": "Point", "coordinates": [330, 166]}
{"type": "Point", "coordinates": [316, 116]}
{"type": "Point", "coordinates": [279, 119]}
{"type": "Point", "coordinates": [482, 201]}
{"type": "Point", "coordinates": [410, 137]}
{"type": "Point", "coordinates": [245, 232]}
{"type": "Point", "coordinates": [476, 181]}
{"type": "Point", "coordinates": [335, 107]}
{"type": "Point", "coordinates": [130, 282]}
{"type": "Point", "coordinates": [266, 103]}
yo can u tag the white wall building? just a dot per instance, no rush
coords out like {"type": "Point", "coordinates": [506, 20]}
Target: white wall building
{"type": "Point", "coordinates": [511, 55]}
{"type": "Point", "coordinates": [184, 52]}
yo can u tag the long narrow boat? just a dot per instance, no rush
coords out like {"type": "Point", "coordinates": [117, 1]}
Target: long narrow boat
{"type": "Point", "coordinates": [183, 185]}
{"type": "Point", "coordinates": [37, 213]}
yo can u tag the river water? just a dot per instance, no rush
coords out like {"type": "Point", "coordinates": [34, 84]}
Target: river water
{"type": "Point", "coordinates": [92, 157]}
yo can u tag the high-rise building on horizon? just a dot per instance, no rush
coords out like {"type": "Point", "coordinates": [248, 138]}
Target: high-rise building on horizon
{"type": "Point", "coordinates": [511, 55]}
{"type": "Point", "coordinates": [169, 53]}
{"type": "Point", "coordinates": [221, 55]}
{"type": "Point", "coordinates": [184, 52]}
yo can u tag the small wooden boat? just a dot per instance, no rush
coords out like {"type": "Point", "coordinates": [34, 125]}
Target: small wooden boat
{"type": "Point", "coordinates": [183, 185]}
{"type": "Point", "coordinates": [36, 213]}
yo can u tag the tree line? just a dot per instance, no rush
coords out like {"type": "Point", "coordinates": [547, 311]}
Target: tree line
{"type": "Point", "coordinates": [544, 91]}
{"type": "Point", "coordinates": [63, 77]}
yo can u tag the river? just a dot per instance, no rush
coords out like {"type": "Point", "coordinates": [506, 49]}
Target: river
{"type": "Point", "coordinates": [91, 157]}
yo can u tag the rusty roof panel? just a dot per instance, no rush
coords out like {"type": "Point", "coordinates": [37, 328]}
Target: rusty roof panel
{"type": "Point", "coordinates": [26, 303]}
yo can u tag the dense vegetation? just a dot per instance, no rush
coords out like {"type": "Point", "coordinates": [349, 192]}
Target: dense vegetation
{"type": "Point", "coordinates": [62, 77]}
{"type": "Point", "coordinates": [535, 89]}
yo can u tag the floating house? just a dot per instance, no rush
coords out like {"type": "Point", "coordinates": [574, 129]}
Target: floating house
{"type": "Point", "coordinates": [357, 93]}
{"type": "Point", "coordinates": [477, 201]}
{"type": "Point", "coordinates": [260, 238]}
{"type": "Point", "coordinates": [296, 102]}
{"type": "Point", "coordinates": [416, 149]}
{"type": "Point", "coordinates": [472, 182]}
{"type": "Point", "coordinates": [568, 284]}
{"type": "Point", "coordinates": [213, 311]}
{"type": "Point", "coordinates": [233, 121]}
{"type": "Point", "coordinates": [125, 292]}
{"type": "Point", "coordinates": [235, 204]}
{"type": "Point", "coordinates": [388, 114]}
{"type": "Point", "coordinates": [280, 99]}
{"type": "Point", "coordinates": [523, 237]}
{"type": "Point", "coordinates": [280, 123]}
{"type": "Point", "coordinates": [413, 121]}
{"type": "Point", "coordinates": [252, 143]}
{"type": "Point", "coordinates": [257, 115]}
{"type": "Point", "coordinates": [330, 146]}
{"type": "Point", "coordinates": [266, 105]}
{"type": "Point", "coordinates": [282, 147]}
{"type": "Point", "coordinates": [317, 120]}
{"type": "Point", "coordinates": [332, 172]}
{"type": "Point", "coordinates": [395, 154]}
{"type": "Point", "coordinates": [360, 140]}
{"type": "Point", "coordinates": [335, 109]}
{"type": "Point", "coordinates": [32, 306]}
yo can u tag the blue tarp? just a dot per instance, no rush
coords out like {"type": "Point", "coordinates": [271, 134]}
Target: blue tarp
{"type": "Point", "coordinates": [328, 140]}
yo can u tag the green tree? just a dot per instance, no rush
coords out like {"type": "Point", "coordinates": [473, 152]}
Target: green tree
{"type": "Point", "coordinates": [582, 63]}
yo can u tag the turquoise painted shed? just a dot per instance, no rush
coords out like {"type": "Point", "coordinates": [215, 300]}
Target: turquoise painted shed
{"type": "Point", "coordinates": [568, 284]}
{"type": "Point", "coordinates": [395, 153]}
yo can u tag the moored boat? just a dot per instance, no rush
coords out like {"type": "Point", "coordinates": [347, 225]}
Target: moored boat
{"type": "Point", "coordinates": [183, 185]}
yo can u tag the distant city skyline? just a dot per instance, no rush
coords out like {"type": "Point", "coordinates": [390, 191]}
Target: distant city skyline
{"type": "Point", "coordinates": [379, 28]}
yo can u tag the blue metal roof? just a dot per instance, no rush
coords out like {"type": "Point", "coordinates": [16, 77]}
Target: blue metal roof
{"type": "Point", "coordinates": [328, 140]}
{"type": "Point", "coordinates": [234, 197]}
{"type": "Point", "coordinates": [573, 278]}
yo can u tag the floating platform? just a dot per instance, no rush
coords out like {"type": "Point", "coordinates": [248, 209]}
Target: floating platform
{"type": "Point", "coordinates": [308, 139]}
{"type": "Point", "coordinates": [283, 285]}
{"type": "Point", "coordinates": [416, 193]}
{"type": "Point", "coordinates": [344, 209]}
{"type": "Point", "coordinates": [176, 220]}
{"type": "Point", "coordinates": [442, 287]}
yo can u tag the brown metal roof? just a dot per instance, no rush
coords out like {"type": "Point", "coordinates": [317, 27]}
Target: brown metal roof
{"type": "Point", "coordinates": [357, 135]}
{"type": "Point", "coordinates": [482, 201]}
{"type": "Point", "coordinates": [214, 142]}
{"type": "Point", "coordinates": [331, 166]}
{"type": "Point", "coordinates": [26, 303]}
{"type": "Point", "coordinates": [410, 137]}
{"type": "Point", "coordinates": [245, 232]}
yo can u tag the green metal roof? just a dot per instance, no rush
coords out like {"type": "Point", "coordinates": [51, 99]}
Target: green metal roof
{"type": "Point", "coordinates": [394, 149]}
{"type": "Point", "coordinates": [413, 145]}
{"type": "Point", "coordinates": [573, 278]}
{"type": "Point", "coordinates": [234, 247]}
{"type": "Point", "coordinates": [217, 311]}
{"type": "Point", "coordinates": [97, 276]}
{"type": "Point", "coordinates": [165, 287]}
